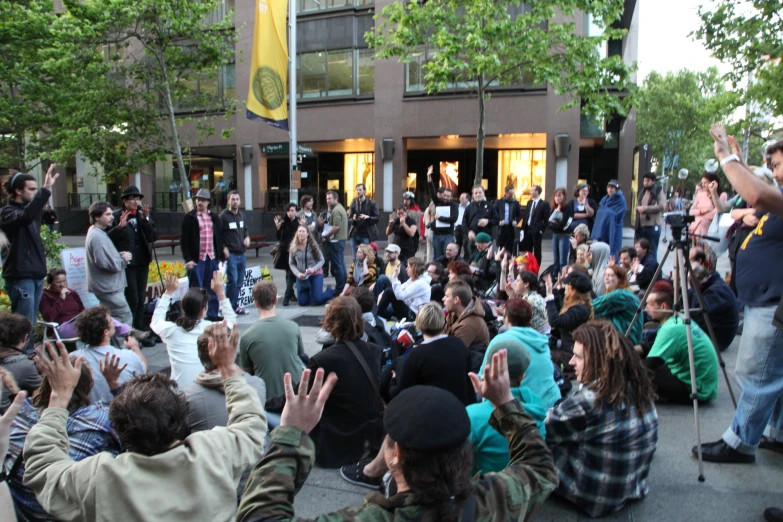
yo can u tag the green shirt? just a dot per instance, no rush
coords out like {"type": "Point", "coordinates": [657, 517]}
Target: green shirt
{"type": "Point", "coordinates": [271, 347]}
{"type": "Point", "coordinates": [671, 345]}
{"type": "Point", "coordinates": [339, 218]}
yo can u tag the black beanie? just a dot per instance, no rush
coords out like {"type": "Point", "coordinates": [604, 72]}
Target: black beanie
{"type": "Point", "coordinates": [426, 418]}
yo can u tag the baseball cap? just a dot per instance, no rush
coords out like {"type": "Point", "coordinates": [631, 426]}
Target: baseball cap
{"type": "Point", "coordinates": [579, 281]}
{"type": "Point", "coordinates": [393, 248]}
{"type": "Point", "coordinates": [613, 183]}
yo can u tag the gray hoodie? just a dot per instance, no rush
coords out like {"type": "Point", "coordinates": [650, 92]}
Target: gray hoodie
{"type": "Point", "coordinates": [105, 266]}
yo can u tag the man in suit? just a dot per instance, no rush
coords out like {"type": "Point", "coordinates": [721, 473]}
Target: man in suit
{"type": "Point", "coordinates": [509, 213]}
{"type": "Point", "coordinates": [536, 219]}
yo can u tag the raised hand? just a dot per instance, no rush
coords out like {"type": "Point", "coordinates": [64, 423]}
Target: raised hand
{"type": "Point", "coordinates": [304, 410]}
{"type": "Point", "coordinates": [736, 149]}
{"type": "Point", "coordinates": [495, 386]}
{"type": "Point", "coordinates": [500, 254]}
{"type": "Point", "coordinates": [223, 349]}
{"type": "Point", "coordinates": [145, 209]}
{"type": "Point", "coordinates": [721, 145]}
{"type": "Point", "coordinates": [218, 285]}
{"type": "Point", "coordinates": [8, 418]}
{"type": "Point", "coordinates": [612, 261]}
{"type": "Point", "coordinates": [51, 176]}
{"type": "Point", "coordinates": [63, 376]}
{"type": "Point", "coordinates": [429, 173]}
{"type": "Point", "coordinates": [124, 218]}
{"type": "Point", "coordinates": [548, 283]}
{"type": "Point", "coordinates": [111, 370]}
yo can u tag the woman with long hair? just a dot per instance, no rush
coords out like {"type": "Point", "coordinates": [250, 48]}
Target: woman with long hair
{"type": "Point", "coordinates": [181, 337]}
{"type": "Point", "coordinates": [560, 222]}
{"type": "Point", "coordinates": [618, 305]}
{"type": "Point", "coordinates": [363, 271]}
{"type": "Point", "coordinates": [286, 230]}
{"type": "Point", "coordinates": [577, 309]}
{"type": "Point", "coordinates": [604, 436]}
{"type": "Point", "coordinates": [581, 208]}
{"type": "Point", "coordinates": [88, 428]}
{"type": "Point", "coordinates": [306, 261]}
{"type": "Point", "coordinates": [703, 207]}
{"type": "Point", "coordinates": [526, 286]}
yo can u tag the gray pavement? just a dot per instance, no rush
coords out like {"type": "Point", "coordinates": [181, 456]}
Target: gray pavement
{"type": "Point", "coordinates": [730, 492]}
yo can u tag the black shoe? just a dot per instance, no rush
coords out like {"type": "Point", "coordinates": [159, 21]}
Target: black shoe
{"type": "Point", "coordinates": [354, 473]}
{"type": "Point", "coordinates": [770, 444]}
{"type": "Point", "coordinates": [286, 301]}
{"type": "Point", "coordinates": [719, 451]}
{"type": "Point", "coordinates": [149, 342]}
{"type": "Point", "coordinates": [773, 514]}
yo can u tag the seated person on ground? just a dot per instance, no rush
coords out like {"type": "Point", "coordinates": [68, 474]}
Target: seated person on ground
{"type": "Point", "coordinates": [374, 331]}
{"type": "Point", "coordinates": [428, 451]}
{"type": "Point", "coordinates": [465, 316]}
{"type": "Point", "coordinates": [490, 448]}
{"type": "Point", "coordinates": [619, 304]}
{"type": "Point", "coordinates": [577, 309]}
{"type": "Point", "coordinates": [392, 262]}
{"type": "Point", "coordinates": [604, 436]}
{"type": "Point", "coordinates": [526, 286]}
{"type": "Point", "coordinates": [483, 265]}
{"type": "Point", "coordinates": [645, 264]}
{"type": "Point", "coordinates": [363, 271]}
{"type": "Point", "coordinates": [627, 257]}
{"type": "Point", "coordinates": [452, 254]}
{"type": "Point", "coordinates": [163, 468]}
{"type": "Point", "coordinates": [272, 346]}
{"type": "Point", "coordinates": [438, 281]}
{"type": "Point", "coordinates": [669, 358]}
{"type": "Point", "coordinates": [441, 361]}
{"type": "Point", "coordinates": [404, 299]}
{"type": "Point", "coordinates": [458, 268]}
{"type": "Point", "coordinates": [88, 428]}
{"type": "Point", "coordinates": [14, 338]}
{"type": "Point", "coordinates": [719, 300]}
{"type": "Point", "coordinates": [61, 305]}
{"type": "Point", "coordinates": [180, 337]}
{"type": "Point", "coordinates": [539, 375]}
{"type": "Point", "coordinates": [95, 328]}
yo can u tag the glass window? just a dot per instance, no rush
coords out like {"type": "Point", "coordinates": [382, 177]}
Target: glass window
{"type": "Point", "coordinates": [340, 73]}
{"type": "Point", "coordinates": [366, 84]}
{"type": "Point", "coordinates": [359, 168]}
{"type": "Point", "coordinates": [313, 74]}
{"type": "Point", "coordinates": [521, 169]}
{"type": "Point", "coordinates": [229, 82]}
{"type": "Point", "coordinates": [414, 74]}
{"type": "Point", "coordinates": [306, 6]}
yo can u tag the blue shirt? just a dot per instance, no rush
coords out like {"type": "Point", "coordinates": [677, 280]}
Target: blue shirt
{"type": "Point", "coordinates": [758, 284]}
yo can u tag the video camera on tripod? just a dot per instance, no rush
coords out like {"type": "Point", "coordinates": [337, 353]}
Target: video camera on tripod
{"type": "Point", "coordinates": [678, 221]}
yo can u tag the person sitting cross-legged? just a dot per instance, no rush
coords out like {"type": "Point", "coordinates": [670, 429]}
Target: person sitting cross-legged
{"type": "Point", "coordinates": [164, 470]}
{"type": "Point", "coordinates": [88, 428]}
{"type": "Point", "coordinates": [490, 448]}
{"type": "Point", "coordinates": [719, 301]}
{"type": "Point", "coordinates": [404, 299]}
{"type": "Point", "coordinates": [619, 303]}
{"type": "Point", "coordinates": [465, 316]}
{"type": "Point", "coordinates": [604, 436]}
{"type": "Point", "coordinates": [669, 358]}
{"type": "Point", "coordinates": [427, 450]}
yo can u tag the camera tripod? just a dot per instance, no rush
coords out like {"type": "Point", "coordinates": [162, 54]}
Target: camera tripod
{"type": "Point", "coordinates": [683, 271]}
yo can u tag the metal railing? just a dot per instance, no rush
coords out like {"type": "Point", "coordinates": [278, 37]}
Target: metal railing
{"type": "Point", "coordinates": [83, 200]}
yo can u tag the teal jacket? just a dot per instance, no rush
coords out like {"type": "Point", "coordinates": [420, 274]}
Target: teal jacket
{"type": "Point", "coordinates": [539, 376]}
{"type": "Point", "coordinates": [619, 307]}
{"type": "Point", "coordinates": [490, 448]}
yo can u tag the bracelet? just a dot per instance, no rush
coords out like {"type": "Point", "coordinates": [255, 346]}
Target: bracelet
{"type": "Point", "coordinates": [729, 159]}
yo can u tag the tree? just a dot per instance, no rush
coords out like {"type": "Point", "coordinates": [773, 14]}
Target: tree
{"type": "Point", "coordinates": [748, 35]}
{"type": "Point", "coordinates": [674, 114]}
{"type": "Point", "coordinates": [483, 43]}
{"type": "Point", "coordinates": [158, 52]}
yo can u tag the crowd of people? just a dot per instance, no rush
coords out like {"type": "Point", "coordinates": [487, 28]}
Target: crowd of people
{"type": "Point", "coordinates": [468, 359]}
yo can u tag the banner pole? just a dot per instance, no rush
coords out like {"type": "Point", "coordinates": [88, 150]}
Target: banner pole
{"type": "Point", "coordinates": [293, 148]}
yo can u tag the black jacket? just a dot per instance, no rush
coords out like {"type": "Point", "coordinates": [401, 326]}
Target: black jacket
{"type": "Point", "coordinates": [721, 306]}
{"type": "Point", "coordinates": [285, 234]}
{"type": "Point", "coordinates": [566, 322]}
{"type": "Point", "coordinates": [514, 214]}
{"type": "Point", "coordinates": [26, 258]}
{"type": "Point", "coordinates": [480, 210]}
{"type": "Point", "coordinates": [645, 277]}
{"type": "Point", "coordinates": [137, 242]}
{"type": "Point", "coordinates": [189, 240]}
{"type": "Point", "coordinates": [443, 363]}
{"type": "Point", "coordinates": [540, 218]}
{"type": "Point", "coordinates": [364, 227]}
{"type": "Point", "coordinates": [453, 213]}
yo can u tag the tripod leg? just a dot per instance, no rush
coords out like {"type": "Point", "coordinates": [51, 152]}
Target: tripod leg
{"type": "Point", "coordinates": [640, 308]}
{"type": "Point", "coordinates": [683, 284]}
{"type": "Point", "coordinates": [710, 331]}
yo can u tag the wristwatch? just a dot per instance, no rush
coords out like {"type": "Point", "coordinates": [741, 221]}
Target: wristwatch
{"type": "Point", "coordinates": [729, 159]}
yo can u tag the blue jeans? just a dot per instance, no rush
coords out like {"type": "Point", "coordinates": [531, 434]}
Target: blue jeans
{"type": "Point", "coordinates": [439, 242]}
{"type": "Point", "coordinates": [201, 277]}
{"type": "Point", "coordinates": [759, 371]}
{"type": "Point", "coordinates": [561, 246]}
{"type": "Point", "coordinates": [25, 295]}
{"type": "Point", "coordinates": [356, 241]}
{"type": "Point", "coordinates": [653, 235]}
{"type": "Point", "coordinates": [337, 252]}
{"type": "Point", "coordinates": [315, 295]}
{"type": "Point", "coordinates": [235, 272]}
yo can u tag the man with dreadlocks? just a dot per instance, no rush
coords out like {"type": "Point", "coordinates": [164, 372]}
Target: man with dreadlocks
{"type": "Point", "coordinates": [604, 436]}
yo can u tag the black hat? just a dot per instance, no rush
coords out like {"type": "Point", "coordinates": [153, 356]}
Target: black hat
{"type": "Point", "coordinates": [131, 190]}
{"type": "Point", "coordinates": [426, 418]}
{"type": "Point", "coordinates": [613, 183]}
{"type": "Point", "coordinates": [579, 281]}
{"type": "Point", "coordinates": [651, 175]}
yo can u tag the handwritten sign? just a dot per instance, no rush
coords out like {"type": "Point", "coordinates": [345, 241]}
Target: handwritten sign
{"type": "Point", "coordinates": [252, 276]}
{"type": "Point", "coordinates": [74, 262]}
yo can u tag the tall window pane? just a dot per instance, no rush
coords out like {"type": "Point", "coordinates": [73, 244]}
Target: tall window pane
{"type": "Point", "coordinates": [366, 73]}
{"type": "Point", "coordinates": [313, 74]}
{"type": "Point", "coordinates": [229, 82]}
{"type": "Point", "coordinates": [340, 73]}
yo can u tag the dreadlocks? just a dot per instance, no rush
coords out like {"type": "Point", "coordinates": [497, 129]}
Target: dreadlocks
{"type": "Point", "coordinates": [612, 366]}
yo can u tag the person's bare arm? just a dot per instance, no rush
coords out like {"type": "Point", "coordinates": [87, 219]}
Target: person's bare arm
{"type": "Point", "coordinates": [752, 188]}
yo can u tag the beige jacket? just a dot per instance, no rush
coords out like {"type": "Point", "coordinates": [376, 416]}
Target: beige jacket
{"type": "Point", "coordinates": [195, 480]}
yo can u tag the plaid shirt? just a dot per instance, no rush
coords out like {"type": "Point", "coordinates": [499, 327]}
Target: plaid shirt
{"type": "Point", "coordinates": [89, 433]}
{"type": "Point", "coordinates": [602, 453]}
{"type": "Point", "coordinates": [206, 245]}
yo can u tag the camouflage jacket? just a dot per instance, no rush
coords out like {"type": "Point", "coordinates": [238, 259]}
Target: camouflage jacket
{"type": "Point", "coordinates": [509, 495]}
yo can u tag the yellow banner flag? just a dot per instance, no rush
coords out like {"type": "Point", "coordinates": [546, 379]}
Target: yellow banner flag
{"type": "Point", "coordinates": [266, 99]}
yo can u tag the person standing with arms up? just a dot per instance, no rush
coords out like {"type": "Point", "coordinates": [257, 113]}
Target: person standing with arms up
{"type": "Point", "coordinates": [236, 238]}
{"type": "Point", "coordinates": [24, 263]}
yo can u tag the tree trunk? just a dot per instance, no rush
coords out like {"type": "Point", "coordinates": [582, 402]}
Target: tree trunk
{"type": "Point", "coordinates": [184, 186]}
{"type": "Point", "coordinates": [480, 135]}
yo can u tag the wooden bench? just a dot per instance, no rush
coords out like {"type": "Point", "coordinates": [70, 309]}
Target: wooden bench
{"type": "Point", "coordinates": [167, 240]}
{"type": "Point", "coordinates": [257, 243]}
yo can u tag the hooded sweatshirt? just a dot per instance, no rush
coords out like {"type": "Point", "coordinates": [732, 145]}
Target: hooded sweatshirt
{"type": "Point", "coordinates": [490, 448]}
{"type": "Point", "coordinates": [539, 376]}
{"type": "Point", "coordinates": [619, 307]}
{"type": "Point", "coordinates": [470, 326]}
